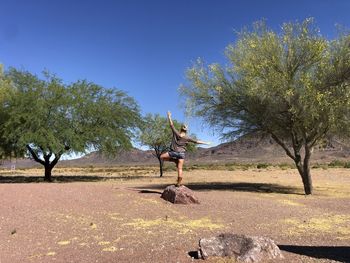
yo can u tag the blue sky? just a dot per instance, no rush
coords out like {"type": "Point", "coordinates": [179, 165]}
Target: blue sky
{"type": "Point", "coordinates": [142, 47]}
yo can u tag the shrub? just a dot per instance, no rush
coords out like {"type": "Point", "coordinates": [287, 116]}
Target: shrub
{"type": "Point", "coordinates": [337, 163]}
{"type": "Point", "coordinates": [262, 165]}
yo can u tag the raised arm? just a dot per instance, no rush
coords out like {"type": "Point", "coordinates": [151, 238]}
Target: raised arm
{"type": "Point", "coordinates": [172, 124]}
{"type": "Point", "coordinates": [170, 120]}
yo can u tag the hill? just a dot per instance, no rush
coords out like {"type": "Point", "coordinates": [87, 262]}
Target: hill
{"type": "Point", "coordinates": [247, 149]}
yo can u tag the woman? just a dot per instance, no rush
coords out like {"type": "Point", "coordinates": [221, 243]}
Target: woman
{"type": "Point", "coordinates": [178, 148]}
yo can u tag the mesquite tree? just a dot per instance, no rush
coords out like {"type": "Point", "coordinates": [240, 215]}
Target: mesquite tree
{"type": "Point", "coordinates": [292, 85]}
{"type": "Point", "coordinates": [50, 118]}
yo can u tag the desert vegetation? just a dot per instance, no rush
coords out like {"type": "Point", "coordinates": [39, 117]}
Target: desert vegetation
{"type": "Point", "coordinates": [291, 85]}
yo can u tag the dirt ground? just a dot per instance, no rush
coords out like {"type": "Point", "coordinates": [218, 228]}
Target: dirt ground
{"type": "Point", "coordinates": [102, 216]}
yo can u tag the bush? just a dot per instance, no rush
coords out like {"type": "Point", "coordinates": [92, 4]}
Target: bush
{"type": "Point", "coordinates": [319, 165]}
{"type": "Point", "coordinates": [337, 163]}
{"type": "Point", "coordinates": [262, 165]}
{"type": "Point", "coordinates": [285, 166]}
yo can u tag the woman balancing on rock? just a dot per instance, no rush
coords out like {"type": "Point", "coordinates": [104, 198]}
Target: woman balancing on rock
{"type": "Point", "coordinates": [178, 148]}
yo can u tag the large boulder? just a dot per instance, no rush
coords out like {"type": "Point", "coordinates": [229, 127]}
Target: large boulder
{"type": "Point", "coordinates": [179, 195]}
{"type": "Point", "coordinates": [241, 248]}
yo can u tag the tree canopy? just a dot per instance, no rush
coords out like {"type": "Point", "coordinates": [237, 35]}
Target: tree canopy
{"type": "Point", "coordinates": [7, 149]}
{"type": "Point", "coordinates": [292, 85]}
{"type": "Point", "coordinates": [49, 118]}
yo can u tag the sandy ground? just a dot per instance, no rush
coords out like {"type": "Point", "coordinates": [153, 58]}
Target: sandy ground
{"type": "Point", "coordinates": [106, 217]}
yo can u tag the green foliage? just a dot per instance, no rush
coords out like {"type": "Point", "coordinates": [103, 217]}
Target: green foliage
{"type": "Point", "coordinates": [296, 81]}
{"type": "Point", "coordinates": [156, 133]}
{"type": "Point", "coordinates": [292, 86]}
{"type": "Point", "coordinates": [7, 91]}
{"type": "Point", "coordinates": [51, 118]}
{"type": "Point", "coordinates": [339, 164]}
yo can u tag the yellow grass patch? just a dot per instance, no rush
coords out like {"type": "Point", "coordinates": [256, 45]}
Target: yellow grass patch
{"type": "Point", "coordinates": [115, 216]}
{"type": "Point", "coordinates": [152, 201]}
{"type": "Point", "coordinates": [63, 242]}
{"type": "Point", "coordinates": [183, 225]}
{"type": "Point", "coordinates": [336, 191]}
{"type": "Point", "coordinates": [51, 253]}
{"type": "Point", "coordinates": [103, 243]}
{"type": "Point", "coordinates": [35, 256]}
{"type": "Point", "coordinates": [289, 202]}
{"type": "Point", "coordinates": [110, 249]}
{"type": "Point", "coordinates": [338, 225]}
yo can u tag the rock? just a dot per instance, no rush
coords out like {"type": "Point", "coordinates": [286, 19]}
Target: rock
{"type": "Point", "coordinates": [241, 248]}
{"type": "Point", "coordinates": [179, 195]}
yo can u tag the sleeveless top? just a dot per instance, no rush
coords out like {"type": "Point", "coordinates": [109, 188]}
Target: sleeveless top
{"type": "Point", "coordinates": [178, 143]}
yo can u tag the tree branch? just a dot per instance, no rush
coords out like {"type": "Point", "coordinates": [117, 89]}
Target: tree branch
{"type": "Point", "coordinates": [34, 155]}
{"type": "Point", "coordinates": [284, 146]}
{"type": "Point", "coordinates": [55, 161]}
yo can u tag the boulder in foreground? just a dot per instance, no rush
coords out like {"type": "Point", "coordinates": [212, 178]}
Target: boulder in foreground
{"type": "Point", "coordinates": [241, 248]}
{"type": "Point", "coordinates": [179, 195]}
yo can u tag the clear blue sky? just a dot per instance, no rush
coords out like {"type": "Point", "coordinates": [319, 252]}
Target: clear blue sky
{"type": "Point", "coordinates": [142, 47]}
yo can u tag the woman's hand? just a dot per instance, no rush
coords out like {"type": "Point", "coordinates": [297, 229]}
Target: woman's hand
{"type": "Point", "coordinates": [202, 142]}
{"type": "Point", "coordinates": [169, 114]}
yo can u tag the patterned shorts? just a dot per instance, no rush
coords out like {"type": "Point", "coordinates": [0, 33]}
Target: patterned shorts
{"type": "Point", "coordinates": [176, 155]}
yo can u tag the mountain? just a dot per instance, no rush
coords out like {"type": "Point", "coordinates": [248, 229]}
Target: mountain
{"type": "Point", "coordinates": [247, 149]}
{"type": "Point", "coordinates": [253, 149]}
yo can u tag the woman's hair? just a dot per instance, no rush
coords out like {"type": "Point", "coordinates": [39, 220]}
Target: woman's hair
{"type": "Point", "coordinates": [184, 128]}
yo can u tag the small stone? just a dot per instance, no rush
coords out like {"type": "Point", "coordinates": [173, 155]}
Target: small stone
{"type": "Point", "coordinates": [179, 195]}
{"type": "Point", "coordinates": [241, 248]}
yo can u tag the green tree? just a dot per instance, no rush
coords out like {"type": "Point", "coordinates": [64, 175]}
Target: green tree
{"type": "Point", "coordinates": [7, 91]}
{"type": "Point", "coordinates": [292, 85]}
{"type": "Point", "coordinates": [156, 134]}
{"type": "Point", "coordinates": [49, 118]}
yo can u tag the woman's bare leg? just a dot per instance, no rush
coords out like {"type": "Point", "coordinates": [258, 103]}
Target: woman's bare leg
{"type": "Point", "coordinates": [179, 165]}
{"type": "Point", "coordinates": [166, 157]}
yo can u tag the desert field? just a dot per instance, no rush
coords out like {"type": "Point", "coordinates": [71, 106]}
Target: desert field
{"type": "Point", "coordinates": [117, 215]}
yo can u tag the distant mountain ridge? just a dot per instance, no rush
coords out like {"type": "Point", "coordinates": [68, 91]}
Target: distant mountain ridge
{"type": "Point", "coordinates": [247, 149]}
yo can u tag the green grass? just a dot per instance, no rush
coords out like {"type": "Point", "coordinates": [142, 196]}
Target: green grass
{"type": "Point", "coordinates": [339, 164]}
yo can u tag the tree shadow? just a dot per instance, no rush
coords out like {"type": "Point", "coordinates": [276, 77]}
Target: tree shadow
{"type": "Point", "coordinates": [64, 179]}
{"type": "Point", "coordinates": [194, 254]}
{"type": "Point", "coordinates": [149, 192]}
{"type": "Point", "coordinates": [340, 253]}
{"type": "Point", "coordinates": [236, 187]}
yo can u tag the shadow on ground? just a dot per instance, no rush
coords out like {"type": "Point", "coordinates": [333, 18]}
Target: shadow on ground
{"type": "Point", "coordinates": [236, 187]}
{"type": "Point", "coordinates": [65, 179]}
{"type": "Point", "coordinates": [341, 254]}
{"type": "Point", "coordinates": [194, 255]}
{"type": "Point", "coordinates": [143, 191]}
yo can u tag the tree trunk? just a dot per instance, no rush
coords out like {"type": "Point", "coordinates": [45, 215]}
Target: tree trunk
{"type": "Point", "coordinates": [307, 180]}
{"type": "Point", "coordinates": [302, 166]}
{"type": "Point", "coordinates": [48, 170]}
{"type": "Point", "coordinates": [160, 166]}
{"type": "Point", "coordinates": [304, 171]}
